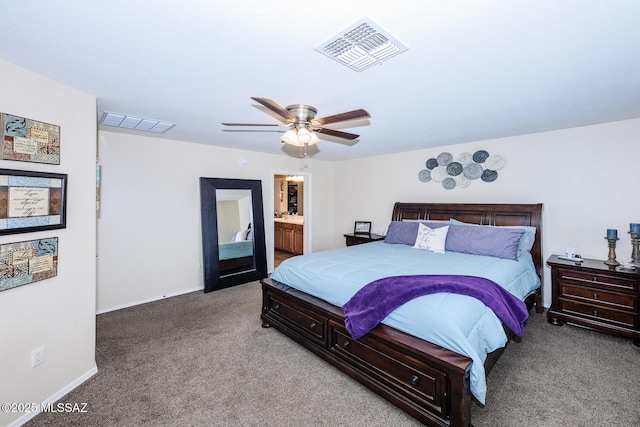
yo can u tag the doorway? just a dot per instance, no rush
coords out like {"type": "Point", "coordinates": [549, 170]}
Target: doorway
{"type": "Point", "coordinates": [291, 219]}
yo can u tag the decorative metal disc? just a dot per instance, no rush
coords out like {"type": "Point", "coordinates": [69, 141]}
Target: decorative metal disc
{"type": "Point", "coordinates": [480, 156]}
{"type": "Point", "coordinates": [454, 168]}
{"type": "Point", "coordinates": [489, 175]}
{"type": "Point", "coordinates": [424, 175]}
{"type": "Point", "coordinates": [462, 181]}
{"type": "Point", "coordinates": [464, 158]}
{"type": "Point", "coordinates": [439, 174]}
{"type": "Point", "coordinates": [494, 162]}
{"type": "Point", "coordinates": [432, 163]}
{"type": "Point", "coordinates": [449, 184]}
{"type": "Point", "coordinates": [444, 158]}
{"type": "Point", "coordinates": [472, 171]}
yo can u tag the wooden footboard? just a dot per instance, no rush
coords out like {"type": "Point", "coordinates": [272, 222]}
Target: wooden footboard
{"type": "Point", "coordinates": [425, 380]}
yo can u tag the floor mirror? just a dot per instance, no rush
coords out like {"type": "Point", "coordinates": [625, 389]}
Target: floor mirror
{"type": "Point", "coordinates": [233, 239]}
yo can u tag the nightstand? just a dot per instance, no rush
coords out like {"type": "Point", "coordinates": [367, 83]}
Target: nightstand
{"type": "Point", "coordinates": [595, 295]}
{"type": "Point", "coordinates": [358, 239]}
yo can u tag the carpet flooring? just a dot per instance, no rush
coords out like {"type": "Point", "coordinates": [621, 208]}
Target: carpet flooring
{"type": "Point", "coordinates": [204, 360]}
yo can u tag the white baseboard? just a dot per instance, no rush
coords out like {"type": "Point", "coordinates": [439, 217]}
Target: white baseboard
{"type": "Point", "coordinates": [156, 298]}
{"type": "Point", "coordinates": [57, 396]}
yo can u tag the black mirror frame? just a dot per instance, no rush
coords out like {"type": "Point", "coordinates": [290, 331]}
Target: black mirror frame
{"type": "Point", "coordinates": [212, 278]}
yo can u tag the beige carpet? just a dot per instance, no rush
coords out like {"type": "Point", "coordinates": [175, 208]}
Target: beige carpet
{"type": "Point", "coordinates": [203, 360]}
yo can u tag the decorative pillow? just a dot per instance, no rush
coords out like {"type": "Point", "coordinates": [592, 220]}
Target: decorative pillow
{"type": "Point", "coordinates": [405, 232]}
{"type": "Point", "coordinates": [500, 242]}
{"type": "Point", "coordinates": [526, 242]}
{"type": "Point", "coordinates": [431, 239]}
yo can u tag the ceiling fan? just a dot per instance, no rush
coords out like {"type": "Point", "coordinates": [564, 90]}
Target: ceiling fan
{"type": "Point", "coordinates": [302, 124]}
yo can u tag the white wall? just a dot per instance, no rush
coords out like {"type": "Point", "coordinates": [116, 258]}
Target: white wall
{"type": "Point", "coordinates": [149, 234]}
{"type": "Point", "coordinates": [149, 239]}
{"type": "Point", "coordinates": [57, 313]}
{"type": "Point", "coordinates": [586, 178]}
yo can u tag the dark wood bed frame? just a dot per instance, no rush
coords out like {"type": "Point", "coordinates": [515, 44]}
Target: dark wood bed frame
{"type": "Point", "coordinates": [425, 380]}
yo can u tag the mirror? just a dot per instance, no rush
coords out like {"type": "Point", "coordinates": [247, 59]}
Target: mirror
{"type": "Point", "coordinates": [233, 239]}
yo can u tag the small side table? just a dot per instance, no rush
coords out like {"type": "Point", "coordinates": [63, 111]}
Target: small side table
{"type": "Point", "coordinates": [358, 239]}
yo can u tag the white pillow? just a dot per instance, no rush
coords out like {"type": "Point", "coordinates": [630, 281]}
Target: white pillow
{"type": "Point", "coordinates": [241, 235]}
{"type": "Point", "coordinates": [431, 239]}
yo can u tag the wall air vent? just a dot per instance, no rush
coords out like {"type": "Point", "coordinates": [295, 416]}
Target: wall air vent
{"type": "Point", "coordinates": [137, 123]}
{"type": "Point", "coordinates": [362, 45]}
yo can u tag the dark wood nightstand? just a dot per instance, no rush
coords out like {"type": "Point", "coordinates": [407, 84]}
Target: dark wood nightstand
{"type": "Point", "coordinates": [358, 239]}
{"type": "Point", "coordinates": [595, 295]}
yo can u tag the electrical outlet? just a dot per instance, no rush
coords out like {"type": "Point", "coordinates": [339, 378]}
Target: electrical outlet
{"type": "Point", "coordinates": [37, 356]}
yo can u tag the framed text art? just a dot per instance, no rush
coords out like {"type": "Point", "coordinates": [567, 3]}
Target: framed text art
{"type": "Point", "coordinates": [32, 201]}
{"type": "Point", "coordinates": [362, 227]}
{"type": "Point", "coordinates": [28, 140]}
{"type": "Point", "coordinates": [22, 263]}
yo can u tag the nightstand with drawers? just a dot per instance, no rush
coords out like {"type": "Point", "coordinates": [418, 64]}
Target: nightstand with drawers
{"type": "Point", "coordinates": [358, 239]}
{"type": "Point", "coordinates": [592, 294]}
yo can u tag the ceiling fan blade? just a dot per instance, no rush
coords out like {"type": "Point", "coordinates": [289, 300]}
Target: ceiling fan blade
{"type": "Point", "coordinates": [337, 133]}
{"type": "Point", "coordinates": [350, 115]}
{"type": "Point", "coordinates": [276, 108]}
{"type": "Point", "coordinates": [250, 124]}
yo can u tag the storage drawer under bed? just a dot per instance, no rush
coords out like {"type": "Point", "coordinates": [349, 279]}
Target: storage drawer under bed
{"type": "Point", "coordinates": [304, 321]}
{"type": "Point", "coordinates": [418, 381]}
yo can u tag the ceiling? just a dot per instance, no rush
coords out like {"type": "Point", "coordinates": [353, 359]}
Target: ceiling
{"type": "Point", "coordinates": [473, 70]}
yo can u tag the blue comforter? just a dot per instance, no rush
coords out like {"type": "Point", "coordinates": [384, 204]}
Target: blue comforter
{"type": "Point", "coordinates": [458, 322]}
{"type": "Point", "coordinates": [233, 250]}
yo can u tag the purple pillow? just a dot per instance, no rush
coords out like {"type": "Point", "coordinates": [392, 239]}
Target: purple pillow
{"type": "Point", "coordinates": [477, 240]}
{"type": "Point", "coordinates": [405, 232]}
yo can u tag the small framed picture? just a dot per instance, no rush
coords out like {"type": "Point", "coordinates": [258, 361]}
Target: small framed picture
{"type": "Point", "coordinates": [362, 227]}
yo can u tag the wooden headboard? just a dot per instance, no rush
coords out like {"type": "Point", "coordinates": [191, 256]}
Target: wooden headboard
{"type": "Point", "coordinates": [483, 214]}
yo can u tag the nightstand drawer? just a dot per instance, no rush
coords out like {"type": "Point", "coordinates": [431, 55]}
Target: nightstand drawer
{"type": "Point", "coordinates": [598, 279]}
{"type": "Point", "coordinates": [594, 295]}
{"type": "Point", "coordinates": [595, 312]}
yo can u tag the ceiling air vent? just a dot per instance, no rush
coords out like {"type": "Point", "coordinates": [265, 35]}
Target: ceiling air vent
{"type": "Point", "coordinates": [361, 46]}
{"type": "Point", "coordinates": [137, 123]}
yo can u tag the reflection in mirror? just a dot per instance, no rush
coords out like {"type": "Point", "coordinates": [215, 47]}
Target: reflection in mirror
{"type": "Point", "coordinates": [233, 239]}
{"type": "Point", "coordinates": [235, 236]}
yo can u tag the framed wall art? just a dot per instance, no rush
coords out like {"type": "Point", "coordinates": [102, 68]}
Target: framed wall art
{"type": "Point", "coordinates": [32, 201]}
{"type": "Point", "coordinates": [22, 263]}
{"type": "Point", "coordinates": [362, 227]}
{"type": "Point", "coordinates": [28, 140]}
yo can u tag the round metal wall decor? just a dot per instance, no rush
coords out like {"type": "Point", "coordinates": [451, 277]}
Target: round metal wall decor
{"type": "Point", "coordinates": [424, 175]}
{"type": "Point", "coordinates": [467, 167]}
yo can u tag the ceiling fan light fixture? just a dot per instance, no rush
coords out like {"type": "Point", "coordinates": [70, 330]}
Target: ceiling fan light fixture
{"type": "Point", "coordinates": [300, 137]}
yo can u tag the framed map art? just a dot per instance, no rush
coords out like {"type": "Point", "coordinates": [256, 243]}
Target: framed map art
{"type": "Point", "coordinates": [32, 201]}
{"type": "Point", "coordinates": [29, 140]}
{"type": "Point", "coordinates": [22, 263]}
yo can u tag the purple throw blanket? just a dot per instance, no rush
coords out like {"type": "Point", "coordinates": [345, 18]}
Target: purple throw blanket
{"type": "Point", "coordinates": [372, 303]}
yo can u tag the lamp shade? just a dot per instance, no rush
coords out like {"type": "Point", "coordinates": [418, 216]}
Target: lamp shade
{"type": "Point", "coordinates": [304, 136]}
{"type": "Point", "coordinates": [290, 137]}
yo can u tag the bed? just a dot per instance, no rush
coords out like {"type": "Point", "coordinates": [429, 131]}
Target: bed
{"type": "Point", "coordinates": [418, 371]}
{"type": "Point", "coordinates": [236, 255]}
